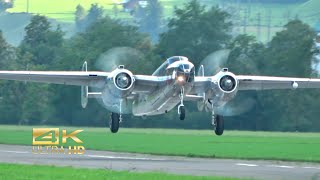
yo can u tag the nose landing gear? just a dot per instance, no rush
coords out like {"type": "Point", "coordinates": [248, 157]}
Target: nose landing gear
{"type": "Point", "coordinates": [181, 112]}
{"type": "Point", "coordinates": [181, 108]}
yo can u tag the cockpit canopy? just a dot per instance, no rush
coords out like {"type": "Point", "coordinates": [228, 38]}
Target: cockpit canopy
{"type": "Point", "coordinates": [161, 71]}
{"type": "Point", "coordinates": [176, 58]}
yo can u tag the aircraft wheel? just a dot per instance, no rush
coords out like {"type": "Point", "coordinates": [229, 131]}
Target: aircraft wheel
{"type": "Point", "coordinates": [182, 113]}
{"type": "Point", "coordinates": [219, 125]}
{"type": "Point", "coordinates": [114, 122]}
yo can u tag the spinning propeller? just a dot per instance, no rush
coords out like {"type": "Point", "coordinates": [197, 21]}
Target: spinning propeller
{"type": "Point", "coordinates": [114, 57]}
{"type": "Point", "coordinates": [111, 60]}
{"type": "Point", "coordinates": [210, 66]}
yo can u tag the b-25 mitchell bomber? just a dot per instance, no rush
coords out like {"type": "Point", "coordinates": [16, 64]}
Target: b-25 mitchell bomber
{"type": "Point", "coordinates": [173, 83]}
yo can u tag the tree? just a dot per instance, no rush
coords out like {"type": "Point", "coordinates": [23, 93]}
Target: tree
{"type": "Point", "coordinates": [102, 36]}
{"type": "Point", "coordinates": [195, 32]}
{"type": "Point", "coordinates": [95, 13]}
{"type": "Point", "coordinates": [10, 103]}
{"type": "Point", "coordinates": [245, 58]}
{"type": "Point", "coordinates": [80, 16]}
{"type": "Point", "coordinates": [39, 50]}
{"type": "Point", "coordinates": [42, 42]}
{"type": "Point", "coordinates": [84, 21]}
{"type": "Point", "coordinates": [149, 19]}
{"type": "Point", "coordinates": [115, 10]}
{"type": "Point", "coordinates": [290, 47]}
{"type": "Point", "coordinates": [7, 53]}
{"type": "Point", "coordinates": [290, 54]}
{"type": "Point", "coordinates": [36, 31]}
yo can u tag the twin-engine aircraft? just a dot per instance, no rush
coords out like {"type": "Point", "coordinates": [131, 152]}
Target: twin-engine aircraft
{"type": "Point", "coordinates": [173, 83]}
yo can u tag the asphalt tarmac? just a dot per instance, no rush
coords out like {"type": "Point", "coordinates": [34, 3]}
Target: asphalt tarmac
{"type": "Point", "coordinates": [168, 164]}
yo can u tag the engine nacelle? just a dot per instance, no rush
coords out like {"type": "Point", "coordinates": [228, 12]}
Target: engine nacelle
{"type": "Point", "coordinates": [227, 82]}
{"type": "Point", "coordinates": [223, 88]}
{"type": "Point", "coordinates": [122, 82]}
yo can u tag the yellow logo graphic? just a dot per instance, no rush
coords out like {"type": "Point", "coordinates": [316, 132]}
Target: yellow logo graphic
{"type": "Point", "coordinates": [50, 139]}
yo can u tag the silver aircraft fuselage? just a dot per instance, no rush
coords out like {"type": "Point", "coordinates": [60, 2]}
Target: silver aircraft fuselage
{"type": "Point", "coordinates": [178, 73]}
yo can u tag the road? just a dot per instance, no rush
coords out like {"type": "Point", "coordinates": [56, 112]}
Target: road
{"type": "Point", "coordinates": [169, 164]}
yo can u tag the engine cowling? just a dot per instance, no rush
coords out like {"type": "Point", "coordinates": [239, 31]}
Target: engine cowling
{"type": "Point", "coordinates": [122, 82]}
{"type": "Point", "coordinates": [228, 82]}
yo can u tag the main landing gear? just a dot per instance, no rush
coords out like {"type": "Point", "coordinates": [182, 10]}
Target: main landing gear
{"type": "Point", "coordinates": [114, 122]}
{"type": "Point", "coordinates": [181, 108]}
{"type": "Point", "coordinates": [217, 123]}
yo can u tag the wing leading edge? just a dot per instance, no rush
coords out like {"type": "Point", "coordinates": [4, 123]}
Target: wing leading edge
{"type": "Point", "coordinates": [147, 84]}
{"type": "Point", "coordinates": [78, 78]}
{"type": "Point", "coordinates": [270, 82]}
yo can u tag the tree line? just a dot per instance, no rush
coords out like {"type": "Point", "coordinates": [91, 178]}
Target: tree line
{"type": "Point", "coordinates": [194, 31]}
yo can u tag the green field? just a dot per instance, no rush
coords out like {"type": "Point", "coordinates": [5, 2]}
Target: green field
{"type": "Point", "coordinates": [13, 171]}
{"type": "Point", "coordinates": [64, 10]}
{"type": "Point", "coordinates": [192, 143]}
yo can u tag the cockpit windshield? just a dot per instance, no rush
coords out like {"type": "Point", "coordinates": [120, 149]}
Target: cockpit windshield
{"type": "Point", "coordinates": [161, 71]}
{"type": "Point", "coordinates": [176, 58]}
{"type": "Point", "coordinates": [184, 66]}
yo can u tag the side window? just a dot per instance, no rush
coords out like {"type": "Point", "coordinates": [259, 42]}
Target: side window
{"type": "Point", "coordinates": [162, 70]}
{"type": "Point", "coordinates": [169, 72]}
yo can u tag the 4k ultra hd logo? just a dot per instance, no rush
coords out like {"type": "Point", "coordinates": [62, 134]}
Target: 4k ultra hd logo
{"type": "Point", "coordinates": [50, 141]}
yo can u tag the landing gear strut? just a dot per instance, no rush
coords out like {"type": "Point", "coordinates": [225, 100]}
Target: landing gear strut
{"type": "Point", "coordinates": [114, 122]}
{"type": "Point", "coordinates": [181, 108]}
{"type": "Point", "coordinates": [217, 123]}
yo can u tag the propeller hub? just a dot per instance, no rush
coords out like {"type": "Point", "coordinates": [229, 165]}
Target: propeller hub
{"type": "Point", "coordinates": [228, 83]}
{"type": "Point", "coordinates": [123, 80]}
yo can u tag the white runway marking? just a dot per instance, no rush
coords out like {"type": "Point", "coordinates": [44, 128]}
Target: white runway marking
{"type": "Point", "coordinates": [250, 165]}
{"type": "Point", "coordinates": [17, 152]}
{"type": "Point", "coordinates": [311, 167]}
{"type": "Point", "coordinates": [128, 158]}
{"type": "Point", "coordinates": [98, 156]}
{"type": "Point", "coordinates": [257, 169]}
{"type": "Point", "coordinates": [281, 166]}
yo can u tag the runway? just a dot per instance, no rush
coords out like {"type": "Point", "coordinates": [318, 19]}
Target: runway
{"type": "Point", "coordinates": [169, 164]}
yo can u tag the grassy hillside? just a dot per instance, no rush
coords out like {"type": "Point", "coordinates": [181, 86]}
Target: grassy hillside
{"type": "Point", "coordinates": [58, 9]}
{"type": "Point", "coordinates": [64, 10]}
{"type": "Point", "coordinates": [273, 14]}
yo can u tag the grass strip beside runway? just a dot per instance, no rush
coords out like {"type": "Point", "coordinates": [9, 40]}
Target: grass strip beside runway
{"type": "Point", "coordinates": [15, 171]}
{"type": "Point", "coordinates": [192, 143]}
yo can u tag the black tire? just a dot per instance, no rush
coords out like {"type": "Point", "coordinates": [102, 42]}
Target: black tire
{"type": "Point", "coordinates": [219, 125]}
{"type": "Point", "coordinates": [182, 113]}
{"type": "Point", "coordinates": [114, 122]}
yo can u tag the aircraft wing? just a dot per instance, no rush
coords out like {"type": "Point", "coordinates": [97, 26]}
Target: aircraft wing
{"type": "Point", "coordinates": [269, 82]}
{"type": "Point", "coordinates": [79, 78]}
{"type": "Point", "coordinates": [147, 84]}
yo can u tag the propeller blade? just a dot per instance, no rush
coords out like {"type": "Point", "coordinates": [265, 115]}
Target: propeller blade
{"type": "Point", "coordinates": [111, 59]}
{"type": "Point", "coordinates": [237, 107]}
{"type": "Point", "coordinates": [214, 62]}
{"type": "Point", "coordinates": [211, 65]}
{"type": "Point", "coordinates": [114, 57]}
